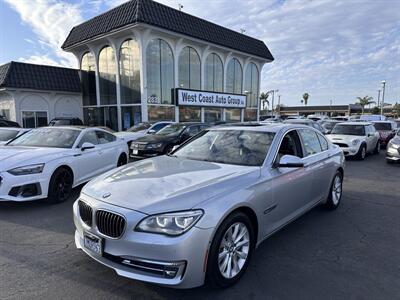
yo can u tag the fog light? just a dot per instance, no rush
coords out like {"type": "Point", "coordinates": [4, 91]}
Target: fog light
{"type": "Point", "coordinates": [25, 191]}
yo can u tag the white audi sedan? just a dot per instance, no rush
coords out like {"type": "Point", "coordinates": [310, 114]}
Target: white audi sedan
{"type": "Point", "coordinates": [198, 213]}
{"type": "Point", "coordinates": [48, 162]}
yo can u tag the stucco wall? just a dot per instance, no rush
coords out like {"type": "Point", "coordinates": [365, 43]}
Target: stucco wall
{"type": "Point", "coordinates": [7, 102]}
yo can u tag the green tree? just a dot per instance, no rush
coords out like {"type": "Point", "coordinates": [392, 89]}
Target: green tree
{"type": "Point", "coordinates": [305, 98]}
{"type": "Point", "coordinates": [375, 110]}
{"type": "Point", "coordinates": [264, 100]}
{"type": "Point", "coordinates": [364, 101]}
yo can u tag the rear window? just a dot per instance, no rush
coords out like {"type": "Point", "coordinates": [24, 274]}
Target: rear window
{"type": "Point", "coordinates": [383, 126]}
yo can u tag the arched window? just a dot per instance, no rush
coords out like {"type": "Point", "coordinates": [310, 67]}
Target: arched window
{"type": "Point", "coordinates": [88, 79]}
{"type": "Point", "coordinates": [160, 72]}
{"type": "Point", "coordinates": [130, 72]}
{"type": "Point", "coordinates": [214, 73]}
{"type": "Point", "coordinates": [234, 77]}
{"type": "Point", "coordinates": [107, 77]}
{"type": "Point", "coordinates": [251, 85]}
{"type": "Point", "coordinates": [189, 69]}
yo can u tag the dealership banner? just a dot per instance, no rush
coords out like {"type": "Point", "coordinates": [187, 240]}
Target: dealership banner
{"type": "Point", "coordinates": [209, 99]}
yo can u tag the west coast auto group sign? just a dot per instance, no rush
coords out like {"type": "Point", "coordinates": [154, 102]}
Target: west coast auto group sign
{"type": "Point", "coordinates": [209, 99]}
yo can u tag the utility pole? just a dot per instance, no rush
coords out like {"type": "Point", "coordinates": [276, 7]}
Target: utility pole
{"type": "Point", "coordinates": [383, 95]}
{"type": "Point", "coordinates": [279, 104]}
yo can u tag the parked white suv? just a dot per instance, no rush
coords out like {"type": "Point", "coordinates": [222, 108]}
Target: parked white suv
{"type": "Point", "coordinates": [355, 138]}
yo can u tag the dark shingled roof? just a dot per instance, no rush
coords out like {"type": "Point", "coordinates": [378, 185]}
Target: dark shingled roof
{"type": "Point", "coordinates": [156, 14]}
{"type": "Point", "coordinates": [39, 77]}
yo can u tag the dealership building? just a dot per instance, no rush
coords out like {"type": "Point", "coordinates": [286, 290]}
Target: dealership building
{"type": "Point", "coordinates": [144, 61]}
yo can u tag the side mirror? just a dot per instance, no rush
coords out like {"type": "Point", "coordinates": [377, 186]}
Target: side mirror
{"type": "Point", "coordinates": [86, 146]}
{"type": "Point", "coordinates": [290, 161]}
{"type": "Point", "coordinates": [151, 131]}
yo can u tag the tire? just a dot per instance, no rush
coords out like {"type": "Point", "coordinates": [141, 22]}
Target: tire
{"type": "Point", "coordinates": [389, 161]}
{"type": "Point", "coordinates": [335, 192]}
{"type": "Point", "coordinates": [362, 152]}
{"type": "Point", "coordinates": [236, 222]}
{"type": "Point", "coordinates": [122, 160]}
{"type": "Point", "coordinates": [377, 147]}
{"type": "Point", "coordinates": [168, 149]}
{"type": "Point", "coordinates": [60, 186]}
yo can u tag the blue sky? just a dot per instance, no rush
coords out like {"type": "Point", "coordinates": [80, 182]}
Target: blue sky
{"type": "Point", "coordinates": [333, 49]}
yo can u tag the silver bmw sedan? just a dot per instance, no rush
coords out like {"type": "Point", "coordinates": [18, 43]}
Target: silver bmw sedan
{"type": "Point", "coordinates": [197, 214]}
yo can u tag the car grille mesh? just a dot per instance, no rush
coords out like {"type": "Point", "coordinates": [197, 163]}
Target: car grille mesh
{"type": "Point", "coordinates": [86, 213]}
{"type": "Point", "coordinates": [342, 145]}
{"type": "Point", "coordinates": [110, 224]}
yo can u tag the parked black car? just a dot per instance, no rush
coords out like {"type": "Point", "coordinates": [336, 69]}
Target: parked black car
{"type": "Point", "coordinates": [164, 140]}
{"type": "Point", "coordinates": [65, 121]}
{"type": "Point", "coordinates": [7, 123]}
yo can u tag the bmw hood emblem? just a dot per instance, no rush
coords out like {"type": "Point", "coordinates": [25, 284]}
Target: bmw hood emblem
{"type": "Point", "coordinates": [106, 195]}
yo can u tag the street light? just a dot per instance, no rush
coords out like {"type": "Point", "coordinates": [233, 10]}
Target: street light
{"type": "Point", "coordinates": [383, 95]}
{"type": "Point", "coordinates": [379, 97]}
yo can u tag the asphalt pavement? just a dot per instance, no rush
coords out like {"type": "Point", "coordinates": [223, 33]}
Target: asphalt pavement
{"type": "Point", "coordinates": [350, 253]}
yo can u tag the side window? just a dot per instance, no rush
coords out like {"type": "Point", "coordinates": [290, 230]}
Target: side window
{"type": "Point", "coordinates": [105, 137]}
{"type": "Point", "coordinates": [89, 137]}
{"type": "Point", "coordinates": [192, 130]}
{"type": "Point", "coordinates": [158, 127]}
{"type": "Point", "coordinates": [290, 145]}
{"type": "Point", "coordinates": [310, 142]}
{"type": "Point", "coordinates": [323, 142]}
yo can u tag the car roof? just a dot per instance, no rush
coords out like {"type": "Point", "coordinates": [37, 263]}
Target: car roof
{"type": "Point", "coordinates": [273, 127]}
{"type": "Point", "coordinates": [298, 121]}
{"type": "Point", "coordinates": [355, 123]}
{"type": "Point", "coordinates": [14, 128]}
{"type": "Point", "coordinates": [388, 121]}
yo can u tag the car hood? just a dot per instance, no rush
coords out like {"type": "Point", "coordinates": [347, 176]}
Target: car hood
{"type": "Point", "coordinates": [164, 184]}
{"type": "Point", "coordinates": [343, 138]}
{"type": "Point", "coordinates": [18, 156]}
{"type": "Point", "coordinates": [130, 136]}
{"type": "Point", "coordinates": [157, 138]}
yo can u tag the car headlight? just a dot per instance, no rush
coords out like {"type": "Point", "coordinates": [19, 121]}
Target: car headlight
{"type": "Point", "coordinates": [154, 146]}
{"type": "Point", "coordinates": [27, 170]}
{"type": "Point", "coordinates": [355, 142]}
{"type": "Point", "coordinates": [170, 223]}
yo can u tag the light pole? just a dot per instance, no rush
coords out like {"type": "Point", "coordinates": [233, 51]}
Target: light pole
{"type": "Point", "coordinates": [379, 97]}
{"type": "Point", "coordinates": [279, 104]}
{"type": "Point", "coordinates": [383, 95]}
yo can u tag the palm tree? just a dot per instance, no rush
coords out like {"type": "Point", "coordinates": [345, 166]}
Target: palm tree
{"type": "Point", "coordinates": [264, 100]}
{"type": "Point", "coordinates": [305, 98]}
{"type": "Point", "coordinates": [364, 101]}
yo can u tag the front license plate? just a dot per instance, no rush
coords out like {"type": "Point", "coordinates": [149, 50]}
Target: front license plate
{"type": "Point", "coordinates": [93, 243]}
{"type": "Point", "coordinates": [135, 152]}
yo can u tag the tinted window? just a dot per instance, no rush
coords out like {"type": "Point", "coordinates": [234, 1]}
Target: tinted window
{"type": "Point", "coordinates": [172, 129]}
{"type": "Point", "coordinates": [158, 127]}
{"type": "Point", "coordinates": [310, 142]}
{"type": "Point", "coordinates": [105, 137]}
{"type": "Point", "coordinates": [237, 147]}
{"type": "Point", "coordinates": [349, 129]}
{"type": "Point", "coordinates": [89, 137]}
{"type": "Point", "coordinates": [139, 127]}
{"type": "Point", "coordinates": [323, 142]}
{"type": "Point", "coordinates": [6, 135]}
{"type": "Point", "coordinates": [47, 137]}
{"type": "Point", "coordinates": [383, 126]}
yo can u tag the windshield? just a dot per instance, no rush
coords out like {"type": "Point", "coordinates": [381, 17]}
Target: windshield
{"type": "Point", "coordinates": [60, 122]}
{"type": "Point", "coordinates": [47, 137]}
{"type": "Point", "coordinates": [139, 127]}
{"type": "Point", "coordinates": [236, 147]}
{"type": "Point", "coordinates": [383, 126]}
{"type": "Point", "coordinates": [329, 125]}
{"type": "Point", "coordinates": [349, 129]}
{"type": "Point", "coordinates": [172, 129]}
{"type": "Point", "coordinates": [6, 135]}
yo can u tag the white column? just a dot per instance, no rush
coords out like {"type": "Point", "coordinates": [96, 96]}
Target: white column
{"type": "Point", "coordinates": [142, 38]}
{"type": "Point", "coordinates": [96, 53]}
{"type": "Point", "coordinates": [118, 86]}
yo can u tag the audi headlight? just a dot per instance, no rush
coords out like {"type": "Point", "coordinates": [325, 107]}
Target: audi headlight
{"type": "Point", "coordinates": [27, 170]}
{"type": "Point", "coordinates": [154, 146]}
{"type": "Point", "coordinates": [355, 142]}
{"type": "Point", "coordinates": [170, 223]}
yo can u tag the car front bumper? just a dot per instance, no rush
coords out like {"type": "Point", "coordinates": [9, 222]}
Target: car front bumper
{"type": "Point", "coordinates": [350, 151]}
{"type": "Point", "coordinates": [12, 187]}
{"type": "Point", "coordinates": [144, 256]}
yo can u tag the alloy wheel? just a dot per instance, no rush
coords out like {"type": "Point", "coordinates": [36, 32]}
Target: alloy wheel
{"type": "Point", "coordinates": [336, 190]}
{"type": "Point", "coordinates": [63, 185]}
{"type": "Point", "coordinates": [234, 250]}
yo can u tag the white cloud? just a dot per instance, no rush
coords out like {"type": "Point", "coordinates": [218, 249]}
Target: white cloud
{"type": "Point", "coordinates": [51, 21]}
{"type": "Point", "coordinates": [40, 60]}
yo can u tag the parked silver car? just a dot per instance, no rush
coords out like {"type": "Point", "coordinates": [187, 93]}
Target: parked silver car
{"type": "Point", "coordinates": [197, 214]}
{"type": "Point", "coordinates": [393, 149]}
